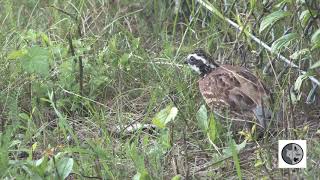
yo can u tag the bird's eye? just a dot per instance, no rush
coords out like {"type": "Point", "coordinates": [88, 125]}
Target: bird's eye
{"type": "Point", "coordinates": [192, 59]}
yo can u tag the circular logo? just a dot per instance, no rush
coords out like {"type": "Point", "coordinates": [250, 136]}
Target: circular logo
{"type": "Point", "coordinates": [292, 153]}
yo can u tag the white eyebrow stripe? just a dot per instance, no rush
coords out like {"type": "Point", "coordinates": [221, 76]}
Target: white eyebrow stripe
{"type": "Point", "coordinates": [202, 59]}
{"type": "Point", "coordinates": [198, 57]}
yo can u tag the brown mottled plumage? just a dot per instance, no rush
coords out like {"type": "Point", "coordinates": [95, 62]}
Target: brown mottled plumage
{"type": "Point", "coordinates": [231, 87]}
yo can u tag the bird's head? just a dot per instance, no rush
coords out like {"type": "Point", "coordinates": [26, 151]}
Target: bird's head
{"type": "Point", "coordinates": [200, 62]}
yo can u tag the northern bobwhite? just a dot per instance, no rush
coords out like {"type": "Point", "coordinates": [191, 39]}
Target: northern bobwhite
{"type": "Point", "coordinates": [231, 87]}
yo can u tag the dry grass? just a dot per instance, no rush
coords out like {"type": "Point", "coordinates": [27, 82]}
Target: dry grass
{"type": "Point", "coordinates": [131, 54]}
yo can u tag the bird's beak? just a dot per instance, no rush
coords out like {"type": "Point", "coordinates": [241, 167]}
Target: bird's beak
{"type": "Point", "coordinates": [185, 61]}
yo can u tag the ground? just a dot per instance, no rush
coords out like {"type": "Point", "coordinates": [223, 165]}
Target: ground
{"type": "Point", "coordinates": [97, 89]}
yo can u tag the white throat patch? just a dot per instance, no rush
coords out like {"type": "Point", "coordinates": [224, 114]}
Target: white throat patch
{"type": "Point", "coordinates": [195, 68]}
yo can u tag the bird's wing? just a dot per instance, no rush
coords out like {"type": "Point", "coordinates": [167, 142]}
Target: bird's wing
{"type": "Point", "coordinates": [250, 84]}
{"type": "Point", "coordinates": [254, 88]}
{"type": "Point", "coordinates": [223, 88]}
{"type": "Point", "coordinates": [237, 88]}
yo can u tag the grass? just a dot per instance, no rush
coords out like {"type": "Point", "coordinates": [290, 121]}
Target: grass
{"type": "Point", "coordinates": [67, 107]}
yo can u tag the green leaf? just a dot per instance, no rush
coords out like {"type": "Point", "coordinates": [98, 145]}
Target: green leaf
{"type": "Point", "coordinates": [64, 167]}
{"type": "Point", "coordinates": [202, 118]}
{"type": "Point", "coordinates": [36, 61]}
{"type": "Point", "coordinates": [233, 147]}
{"type": "Point", "coordinates": [211, 8]}
{"type": "Point", "coordinates": [281, 3]}
{"type": "Point", "coordinates": [24, 116]}
{"type": "Point", "coordinates": [176, 177]}
{"type": "Point", "coordinates": [294, 96]}
{"type": "Point", "coordinates": [17, 54]}
{"type": "Point", "coordinates": [283, 41]}
{"type": "Point", "coordinates": [298, 54]}
{"type": "Point", "coordinates": [45, 39]}
{"type": "Point", "coordinates": [301, 2]}
{"type": "Point", "coordinates": [304, 17]}
{"type": "Point", "coordinates": [124, 60]}
{"type": "Point", "coordinates": [141, 176]}
{"type": "Point", "coordinates": [136, 43]}
{"type": "Point", "coordinates": [258, 163]}
{"type": "Point", "coordinates": [273, 18]}
{"type": "Point", "coordinates": [137, 158]}
{"type": "Point", "coordinates": [212, 130]}
{"type": "Point", "coordinates": [315, 39]}
{"type": "Point", "coordinates": [39, 161]}
{"type": "Point", "coordinates": [164, 116]}
{"type": "Point", "coordinates": [252, 4]}
{"type": "Point", "coordinates": [298, 83]}
{"type": "Point", "coordinates": [228, 151]}
{"type": "Point", "coordinates": [315, 65]}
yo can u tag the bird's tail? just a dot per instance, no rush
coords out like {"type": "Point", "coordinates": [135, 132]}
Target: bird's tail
{"type": "Point", "coordinates": [263, 115]}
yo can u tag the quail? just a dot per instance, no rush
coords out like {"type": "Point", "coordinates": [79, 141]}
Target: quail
{"type": "Point", "coordinates": [232, 88]}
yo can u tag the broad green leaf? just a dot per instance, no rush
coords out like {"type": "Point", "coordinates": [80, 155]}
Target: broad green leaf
{"type": "Point", "coordinates": [202, 118]}
{"type": "Point", "coordinates": [45, 39]}
{"type": "Point", "coordinates": [315, 65]}
{"type": "Point", "coordinates": [283, 41]}
{"type": "Point", "coordinates": [36, 61]}
{"type": "Point", "coordinates": [252, 4]}
{"type": "Point", "coordinates": [258, 163]}
{"type": "Point", "coordinates": [164, 116]}
{"type": "Point", "coordinates": [273, 18]}
{"type": "Point", "coordinates": [36, 177]}
{"type": "Point", "coordinates": [141, 176]}
{"type": "Point", "coordinates": [315, 39]}
{"type": "Point", "coordinates": [14, 143]}
{"type": "Point", "coordinates": [164, 140]}
{"type": "Point", "coordinates": [298, 54]}
{"type": "Point", "coordinates": [211, 8]}
{"type": "Point", "coordinates": [233, 147]}
{"type": "Point", "coordinates": [34, 146]}
{"type": "Point", "coordinates": [301, 2]}
{"type": "Point", "coordinates": [298, 83]}
{"type": "Point", "coordinates": [176, 177]}
{"type": "Point", "coordinates": [124, 60]}
{"type": "Point", "coordinates": [17, 54]}
{"type": "Point", "coordinates": [168, 49]}
{"type": "Point", "coordinates": [136, 157]}
{"type": "Point", "coordinates": [24, 116]}
{"type": "Point", "coordinates": [305, 16]}
{"type": "Point", "coordinates": [281, 3]}
{"type": "Point", "coordinates": [113, 44]}
{"type": "Point", "coordinates": [228, 152]}
{"type": "Point", "coordinates": [212, 130]}
{"type": "Point", "coordinates": [294, 96]}
{"type": "Point", "coordinates": [64, 167]}
{"type": "Point", "coordinates": [39, 161]}
{"type": "Point", "coordinates": [135, 43]}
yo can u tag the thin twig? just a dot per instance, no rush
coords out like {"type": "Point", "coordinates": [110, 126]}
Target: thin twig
{"type": "Point", "coordinates": [83, 97]}
{"type": "Point", "coordinates": [65, 12]}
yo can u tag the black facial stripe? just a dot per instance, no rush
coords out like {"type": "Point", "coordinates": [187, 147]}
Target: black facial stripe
{"type": "Point", "coordinates": [199, 63]}
{"type": "Point", "coordinates": [194, 61]}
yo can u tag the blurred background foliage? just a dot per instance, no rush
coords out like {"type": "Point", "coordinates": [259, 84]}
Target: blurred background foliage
{"type": "Point", "coordinates": [76, 75]}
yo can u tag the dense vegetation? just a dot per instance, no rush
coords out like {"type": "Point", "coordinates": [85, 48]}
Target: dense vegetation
{"type": "Point", "coordinates": [79, 77]}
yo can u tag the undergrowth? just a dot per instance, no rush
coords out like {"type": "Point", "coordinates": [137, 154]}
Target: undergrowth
{"type": "Point", "coordinates": [98, 89]}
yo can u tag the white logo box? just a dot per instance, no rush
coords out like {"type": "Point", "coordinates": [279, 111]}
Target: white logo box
{"type": "Point", "coordinates": [281, 161]}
